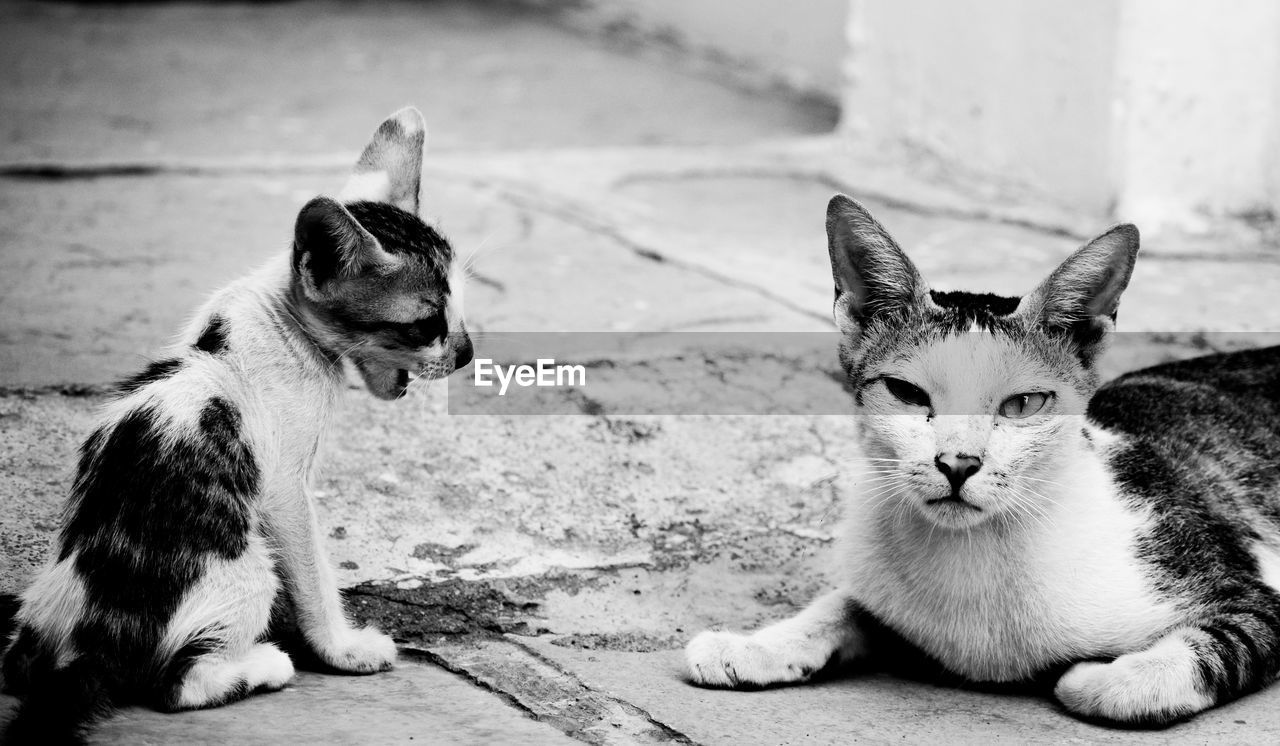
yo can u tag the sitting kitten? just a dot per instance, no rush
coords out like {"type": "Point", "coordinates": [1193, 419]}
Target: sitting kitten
{"type": "Point", "coordinates": [190, 510]}
{"type": "Point", "coordinates": [1017, 520]}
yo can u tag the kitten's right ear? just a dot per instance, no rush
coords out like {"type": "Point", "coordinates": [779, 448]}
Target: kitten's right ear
{"type": "Point", "coordinates": [329, 244]}
{"type": "Point", "coordinates": [872, 274]}
{"type": "Point", "coordinates": [390, 168]}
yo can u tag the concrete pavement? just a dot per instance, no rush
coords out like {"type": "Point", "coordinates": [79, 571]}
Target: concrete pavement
{"type": "Point", "coordinates": [540, 572]}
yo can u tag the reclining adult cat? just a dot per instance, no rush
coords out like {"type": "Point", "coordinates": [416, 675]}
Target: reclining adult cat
{"type": "Point", "coordinates": [1016, 520]}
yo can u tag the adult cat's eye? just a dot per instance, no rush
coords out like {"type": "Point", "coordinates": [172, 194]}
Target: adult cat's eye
{"type": "Point", "coordinates": [1023, 405]}
{"type": "Point", "coordinates": [907, 393]}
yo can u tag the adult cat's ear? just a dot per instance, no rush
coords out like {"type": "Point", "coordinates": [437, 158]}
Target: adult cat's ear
{"type": "Point", "coordinates": [872, 274]}
{"type": "Point", "coordinates": [329, 244]}
{"type": "Point", "coordinates": [1083, 293]}
{"type": "Point", "coordinates": [390, 168]}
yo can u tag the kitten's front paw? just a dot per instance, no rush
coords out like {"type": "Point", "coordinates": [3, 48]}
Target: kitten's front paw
{"type": "Point", "coordinates": [364, 650]}
{"type": "Point", "coordinates": [727, 659]}
{"type": "Point", "coordinates": [1134, 689]}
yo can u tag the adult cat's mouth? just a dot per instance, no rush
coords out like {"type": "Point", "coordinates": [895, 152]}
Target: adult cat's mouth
{"type": "Point", "coordinates": [953, 500]}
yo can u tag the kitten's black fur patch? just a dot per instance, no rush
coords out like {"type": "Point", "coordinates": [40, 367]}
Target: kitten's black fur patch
{"type": "Point", "coordinates": [59, 703]}
{"type": "Point", "coordinates": [399, 233]}
{"type": "Point", "coordinates": [213, 339]}
{"type": "Point", "coordinates": [402, 232]}
{"type": "Point", "coordinates": [26, 656]}
{"type": "Point", "coordinates": [323, 263]}
{"type": "Point", "coordinates": [420, 333]}
{"type": "Point", "coordinates": [156, 371]}
{"type": "Point", "coordinates": [135, 560]}
{"type": "Point", "coordinates": [9, 605]}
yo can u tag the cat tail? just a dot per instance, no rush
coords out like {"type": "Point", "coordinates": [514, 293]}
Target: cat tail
{"type": "Point", "coordinates": [60, 704]}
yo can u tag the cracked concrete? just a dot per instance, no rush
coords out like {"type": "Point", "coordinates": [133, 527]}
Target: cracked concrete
{"type": "Point", "coordinates": [540, 572]}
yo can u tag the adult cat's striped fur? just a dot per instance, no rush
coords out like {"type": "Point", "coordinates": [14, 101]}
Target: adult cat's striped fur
{"type": "Point", "coordinates": [190, 509]}
{"type": "Point", "coordinates": [1014, 520]}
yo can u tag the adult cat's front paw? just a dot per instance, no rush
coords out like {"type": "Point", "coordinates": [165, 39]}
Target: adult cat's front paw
{"type": "Point", "coordinates": [728, 659]}
{"type": "Point", "coordinates": [1152, 687]}
{"type": "Point", "coordinates": [363, 650]}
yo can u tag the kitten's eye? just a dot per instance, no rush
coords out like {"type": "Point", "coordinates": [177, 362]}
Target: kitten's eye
{"type": "Point", "coordinates": [1023, 405]}
{"type": "Point", "coordinates": [907, 393]}
{"type": "Point", "coordinates": [432, 328]}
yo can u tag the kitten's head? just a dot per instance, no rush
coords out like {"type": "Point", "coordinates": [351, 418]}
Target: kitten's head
{"type": "Point", "coordinates": [970, 404]}
{"type": "Point", "coordinates": [376, 283]}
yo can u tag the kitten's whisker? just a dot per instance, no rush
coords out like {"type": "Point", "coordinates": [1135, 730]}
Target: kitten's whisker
{"type": "Point", "coordinates": [480, 247]}
{"type": "Point", "coordinates": [337, 360]}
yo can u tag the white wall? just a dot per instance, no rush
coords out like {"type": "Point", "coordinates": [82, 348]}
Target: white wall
{"type": "Point", "coordinates": [1162, 111]}
{"type": "Point", "coordinates": [1199, 98]}
{"type": "Point", "coordinates": [801, 42]}
{"type": "Point", "coordinates": [1020, 88]}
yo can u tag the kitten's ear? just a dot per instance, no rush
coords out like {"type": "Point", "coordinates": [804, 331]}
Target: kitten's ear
{"type": "Point", "coordinates": [390, 168]}
{"type": "Point", "coordinates": [872, 274]}
{"type": "Point", "coordinates": [1083, 293]}
{"type": "Point", "coordinates": [329, 244]}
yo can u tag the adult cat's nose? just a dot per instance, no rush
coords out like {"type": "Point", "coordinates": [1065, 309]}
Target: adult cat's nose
{"type": "Point", "coordinates": [957, 467]}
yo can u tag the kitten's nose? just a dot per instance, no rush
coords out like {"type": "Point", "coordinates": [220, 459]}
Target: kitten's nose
{"type": "Point", "coordinates": [463, 355]}
{"type": "Point", "coordinates": [957, 467]}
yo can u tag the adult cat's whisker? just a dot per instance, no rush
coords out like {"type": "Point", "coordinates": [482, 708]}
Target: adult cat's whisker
{"type": "Point", "coordinates": [1038, 479]}
{"type": "Point", "coordinates": [1031, 510]}
{"type": "Point", "coordinates": [861, 474]}
{"type": "Point", "coordinates": [878, 486]}
{"type": "Point", "coordinates": [893, 493]}
{"type": "Point", "coordinates": [1043, 497]}
{"type": "Point", "coordinates": [878, 482]}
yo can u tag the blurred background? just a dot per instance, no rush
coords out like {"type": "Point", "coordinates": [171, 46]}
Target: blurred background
{"type": "Point", "coordinates": [150, 151]}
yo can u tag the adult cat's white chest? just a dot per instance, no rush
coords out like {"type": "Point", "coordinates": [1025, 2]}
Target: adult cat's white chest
{"type": "Point", "coordinates": [1004, 600]}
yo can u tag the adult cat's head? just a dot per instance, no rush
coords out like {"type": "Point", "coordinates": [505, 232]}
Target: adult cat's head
{"type": "Point", "coordinates": [969, 402]}
{"type": "Point", "coordinates": [377, 284]}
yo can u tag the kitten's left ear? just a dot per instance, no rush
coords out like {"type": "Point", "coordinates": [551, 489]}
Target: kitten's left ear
{"type": "Point", "coordinates": [1083, 293]}
{"type": "Point", "coordinates": [330, 244]}
{"type": "Point", "coordinates": [390, 168]}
